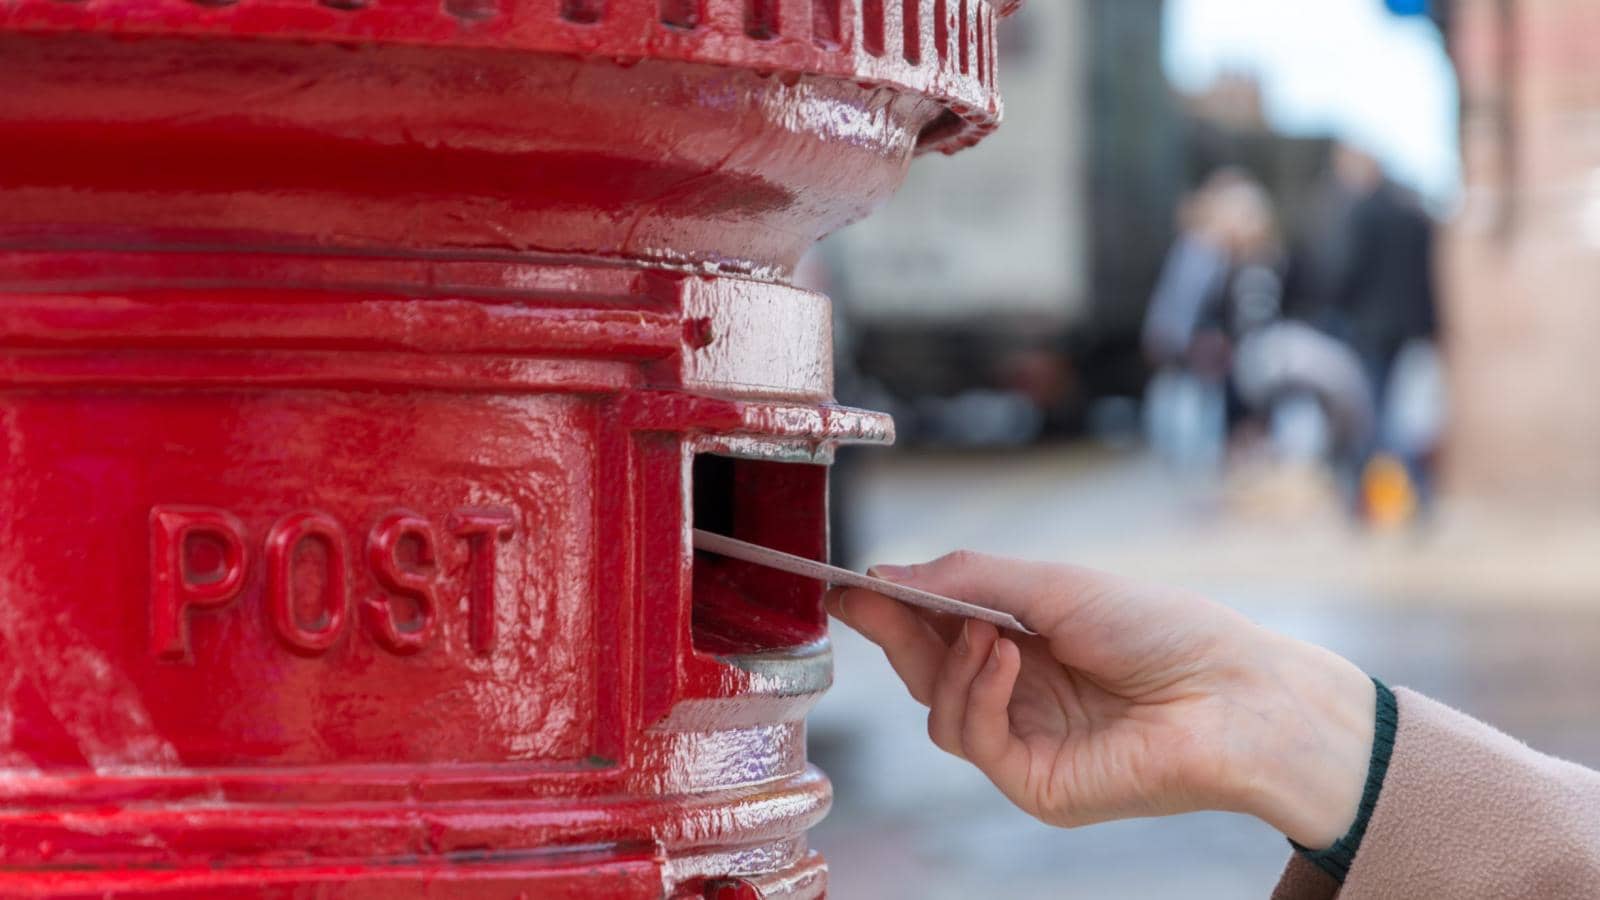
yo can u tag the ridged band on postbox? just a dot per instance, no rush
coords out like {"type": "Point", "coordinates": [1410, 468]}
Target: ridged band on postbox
{"type": "Point", "coordinates": [363, 369]}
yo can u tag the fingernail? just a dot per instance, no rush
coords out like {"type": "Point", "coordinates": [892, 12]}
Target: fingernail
{"type": "Point", "coordinates": [890, 573]}
{"type": "Point", "coordinates": [833, 601]}
{"type": "Point", "coordinates": [992, 664]}
{"type": "Point", "coordinates": [962, 644]}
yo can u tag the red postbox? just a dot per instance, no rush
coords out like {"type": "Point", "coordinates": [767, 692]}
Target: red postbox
{"type": "Point", "coordinates": [363, 366]}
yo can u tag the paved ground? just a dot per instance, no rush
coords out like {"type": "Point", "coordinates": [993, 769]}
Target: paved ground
{"type": "Point", "coordinates": [1495, 611]}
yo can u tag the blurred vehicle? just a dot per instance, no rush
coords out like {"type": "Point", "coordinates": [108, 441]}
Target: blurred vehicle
{"type": "Point", "coordinates": [961, 295]}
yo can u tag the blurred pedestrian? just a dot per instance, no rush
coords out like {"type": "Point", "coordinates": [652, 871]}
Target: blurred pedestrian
{"type": "Point", "coordinates": [1383, 288]}
{"type": "Point", "coordinates": [1221, 279]}
{"type": "Point", "coordinates": [1381, 300]}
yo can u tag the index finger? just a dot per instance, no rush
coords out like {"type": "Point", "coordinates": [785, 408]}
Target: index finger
{"type": "Point", "coordinates": [913, 647]}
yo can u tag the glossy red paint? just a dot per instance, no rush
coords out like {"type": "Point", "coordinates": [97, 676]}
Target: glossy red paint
{"type": "Point", "coordinates": [363, 367]}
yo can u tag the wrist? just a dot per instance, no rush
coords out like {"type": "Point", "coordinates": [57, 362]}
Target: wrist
{"type": "Point", "coordinates": [1304, 761]}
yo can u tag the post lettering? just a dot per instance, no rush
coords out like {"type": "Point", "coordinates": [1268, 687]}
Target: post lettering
{"type": "Point", "coordinates": [420, 585]}
{"type": "Point", "coordinates": [483, 530]}
{"type": "Point", "coordinates": [197, 561]}
{"type": "Point", "coordinates": [282, 541]}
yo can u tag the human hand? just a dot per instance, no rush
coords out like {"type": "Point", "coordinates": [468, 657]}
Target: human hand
{"type": "Point", "coordinates": [1133, 700]}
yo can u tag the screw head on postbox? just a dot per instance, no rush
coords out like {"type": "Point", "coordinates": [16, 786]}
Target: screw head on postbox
{"type": "Point", "coordinates": [733, 889]}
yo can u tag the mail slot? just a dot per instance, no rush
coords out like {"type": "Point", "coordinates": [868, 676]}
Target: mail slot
{"type": "Point", "coordinates": [743, 608]}
{"type": "Point", "coordinates": [364, 367]}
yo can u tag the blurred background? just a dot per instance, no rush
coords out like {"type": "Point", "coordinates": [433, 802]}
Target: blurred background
{"type": "Point", "coordinates": [1291, 301]}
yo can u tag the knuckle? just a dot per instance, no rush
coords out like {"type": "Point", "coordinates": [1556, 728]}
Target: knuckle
{"type": "Point", "coordinates": [920, 689]}
{"type": "Point", "coordinates": [971, 744]}
{"type": "Point", "coordinates": [959, 559]}
{"type": "Point", "coordinates": [939, 734]}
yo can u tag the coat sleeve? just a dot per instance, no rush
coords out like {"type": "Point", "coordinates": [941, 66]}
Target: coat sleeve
{"type": "Point", "coordinates": [1467, 812]}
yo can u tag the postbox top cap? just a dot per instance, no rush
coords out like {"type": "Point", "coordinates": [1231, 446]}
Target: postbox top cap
{"type": "Point", "coordinates": [851, 40]}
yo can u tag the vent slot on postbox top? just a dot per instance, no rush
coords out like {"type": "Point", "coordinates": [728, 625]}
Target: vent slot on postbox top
{"type": "Point", "coordinates": [741, 607]}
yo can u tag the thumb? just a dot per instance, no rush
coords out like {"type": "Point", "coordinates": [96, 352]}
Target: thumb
{"type": "Point", "coordinates": [1041, 596]}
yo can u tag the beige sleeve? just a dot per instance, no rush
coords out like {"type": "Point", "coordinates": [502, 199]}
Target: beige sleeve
{"type": "Point", "coordinates": [1467, 812]}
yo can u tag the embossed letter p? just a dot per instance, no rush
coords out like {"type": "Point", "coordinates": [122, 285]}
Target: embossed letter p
{"type": "Point", "coordinates": [197, 560]}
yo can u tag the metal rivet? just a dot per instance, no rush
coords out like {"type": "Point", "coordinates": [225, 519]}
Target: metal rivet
{"type": "Point", "coordinates": [699, 332]}
{"type": "Point", "coordinates": [732, 889]}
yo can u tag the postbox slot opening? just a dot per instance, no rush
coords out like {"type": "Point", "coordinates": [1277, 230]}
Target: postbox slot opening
{"type": "Point", "coordinates": [743, 608]}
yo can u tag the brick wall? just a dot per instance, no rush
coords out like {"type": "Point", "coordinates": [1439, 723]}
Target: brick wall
{"type": "Point", "coordinates": [1521, 264]}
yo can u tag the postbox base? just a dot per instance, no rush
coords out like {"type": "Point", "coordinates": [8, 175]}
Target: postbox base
{"type": "Point", "coordinates": [569, 877]}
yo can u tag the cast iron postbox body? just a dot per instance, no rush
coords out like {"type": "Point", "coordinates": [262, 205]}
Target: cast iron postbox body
{"type": "Point", "coordinates": [363, 365]}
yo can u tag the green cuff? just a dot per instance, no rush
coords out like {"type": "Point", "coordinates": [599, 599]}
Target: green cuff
{"type": "Point", "coordinates": [1337, 859]}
